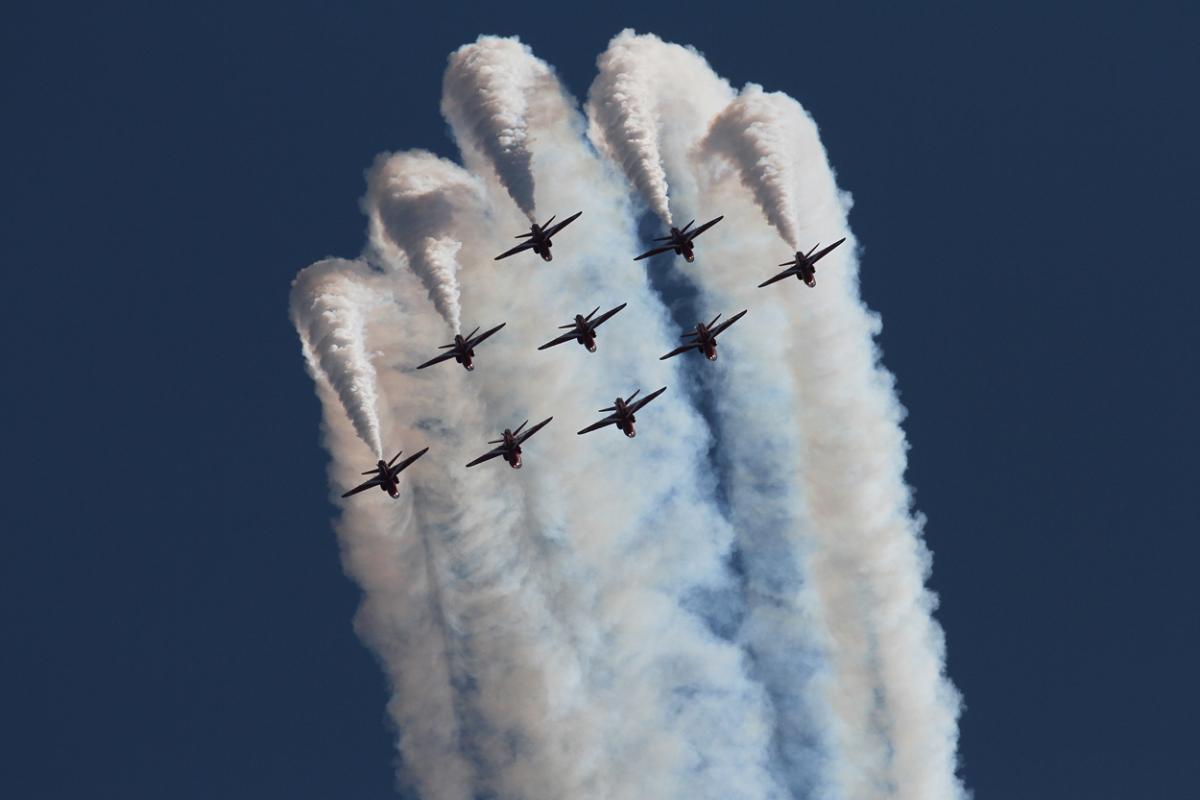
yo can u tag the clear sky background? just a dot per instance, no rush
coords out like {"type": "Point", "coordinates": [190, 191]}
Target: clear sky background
{"type": "Point", "coordinates": [175, 619]}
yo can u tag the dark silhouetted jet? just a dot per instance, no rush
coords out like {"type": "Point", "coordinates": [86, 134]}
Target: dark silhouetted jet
{"type": "Point", "coordinates": [539, 238]}
{"type": "Point", "coordinates": [510, 444]}
{"type": "Point", "coordinates": [583, 329]}
{"type": "Point", "coordinates": [802, 265]}
{"type": "Point", "coordinates": [680, 240]}
{"type": "Point", "coordinates": [623, 413]}
{"type": "Point", "coordinates": [462, 349]}
{"type": "Point", "coordinates": [704, 338]}
{"type": "Point", "coordinates": [385, 475]}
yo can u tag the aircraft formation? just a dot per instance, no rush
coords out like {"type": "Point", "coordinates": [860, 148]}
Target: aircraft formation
{"type": "Point", "coordinates": [622, 413]}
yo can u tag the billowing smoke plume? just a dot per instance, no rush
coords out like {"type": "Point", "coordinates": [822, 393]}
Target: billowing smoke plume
{"type": "Point", "coordinates": [328, 305]}
{"type": "Point", "coordinates": [644, 119]}
{"type": "Point", "coordinates": [491, 90]}
{"type": "Point", "coordinates": [757, 133]}
{"type": "Point", "coordinates": [623, 110]}
{"type": "Point", "coordinates": [417, 202]}
{"type": "Point", "coordinates": [800, 568]}
{"type": "Point", "coordinates": [729, 606]}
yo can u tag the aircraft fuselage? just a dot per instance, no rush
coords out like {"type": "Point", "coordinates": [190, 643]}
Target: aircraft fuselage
{"type": "Point", "coordinates": [541, 244]}
{"type": "Point", "coordinates": [390, 484]}
{"type": "Point", "coordinates": [683, 246]}
{"type": "Point", "coordinates": [584, 333]}
{"type": "Point", "coordinates": [805, 270]}
{"type": "Point", "coordinates": [462, 354]}
{"type": "Point", "coordinates": [627, 419]}
{"type": "Point", "coordinates": [512, 450]}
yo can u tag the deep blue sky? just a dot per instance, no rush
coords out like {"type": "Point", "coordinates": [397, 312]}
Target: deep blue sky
{"type": "Point", "coordinates": [175, 618]}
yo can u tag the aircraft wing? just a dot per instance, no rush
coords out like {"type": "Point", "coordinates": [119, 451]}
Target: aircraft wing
{"type": "Point", "coordinates": [640, 404]}
{"type": "Point", "coordinates": [654, 251]}
{"type": "Point", "coordinates": [396, 470]}
{"type": "Point", "coordinates": [553, 229]}
{"type": "Point", "coordinates": [612, 419]}
{"type": "Point", "coordinates": [477, 339]}
{"type": "Point", "coordinates": [566, 337]}
{"type": "Point", "coordinates": [521, 439]}
{"type": "Point", "coordinates": [717, 330]}
{"type": "Point", "coordinates": [522, 246]}
{"type": "Point", "coordinates": [787, 273]}
{"type": "Point", "coordinates": [488, 456]}
{"type": "Point", "coordinates": [606, 315]}
{"type": "Point", "coordinates": [362, 487]}
{"type": "Point", "coordinates": [693, 234]}
{"type": "Point", "coordinates": [439, 359]}
{"type": "Point", "coordinates": [824, 251]}
{"type": "Point", "coordinates": [678, 350]}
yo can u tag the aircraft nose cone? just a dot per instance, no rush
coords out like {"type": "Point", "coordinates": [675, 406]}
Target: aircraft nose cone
{"type": "Point", "coordinates": [591, 348]}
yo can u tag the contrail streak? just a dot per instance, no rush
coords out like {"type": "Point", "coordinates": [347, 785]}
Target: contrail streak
{"type": "Point", "coordinates": [869, 561]}
{"type": "Point", "coordinates": [639, 114]}
{"type": "Point", "coordinates": [753, 132]}
{"type": "Point", "coordinates": [730, 606]}
{"type": "Point", "coordinates": [327, 309]}
{"type": "Point", "coordinates": [489, 93]}
{"type": "Point", "coordinates": [415, 202]}
{"type": "Point", "coordinates": [619, 586]}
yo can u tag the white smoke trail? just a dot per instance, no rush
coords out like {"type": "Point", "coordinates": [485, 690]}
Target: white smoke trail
{"type": "Point", "coordinates": [415, 202]}
{"type": "Point", "coordinates": [490, 92]}
{"type": "Point", "coordinates": [761, 451]}
{"type": "Point", "coordinates": [622, 112]}
{"type": "Point", "coordinates": [832, 608]}
{"type": "Point", "coordinates": [638, 113]}
{"type": "Point", "coordinates": [618, 585]}
{"type": "Point", "coordinates": [539, 628]}
{"type": "Point", "coordinates": [855, 477]}
{"type": "Point", "coordinates": [855, 467]}
{"type": "Point", "coordinates": [384, 550]}
{"type": "Point", "coordinates": [327, 309]}
{"type": "Point", "coordinates": [753, 132]}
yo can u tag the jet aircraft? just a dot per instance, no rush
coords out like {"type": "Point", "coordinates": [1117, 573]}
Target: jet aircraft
{"type": "Point", "coordinates": [802, 265]}
{"type": "Point", "coordinates": [385, 475]}
{"type": "Point", "coordinates": [462, 349]}
{"type": "Point", "coordinates": [510, 444]}
{"type": "Point", "coordinates": [704, 337]}
{"type": "Point", "coordinates": [623, 413]}
{"type": "Point", "coordinates": [538, 238]}
{"type": "Point", "coordinates": [583, 329]}
{"type": "Point", "coordinates": [680, 241]}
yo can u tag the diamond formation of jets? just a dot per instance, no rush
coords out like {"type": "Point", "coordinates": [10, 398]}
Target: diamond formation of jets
{"type": "Point", "coordinates": [538, 238]}
{"type": "Point", "coordinates": [386, 475]}
{"type": "Point", "coordinates": [509, 444]}
{"type": "Point", "coordinates": [462, 349]}
{"type": "Point", "coordinates": [704, 337]}
{"type": "Point", "coordinates": [802, 265]}
{"type": "Point", "coordinates": [680, 240]}
{"type": "Point", "coordinates": [623, 411]}
{"type": "Point", "coordinates": [583, 329]}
